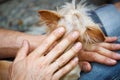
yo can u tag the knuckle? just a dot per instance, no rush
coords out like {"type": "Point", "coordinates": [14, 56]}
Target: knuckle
{"type": "Point", "coordinates": [112, 46]}
{"type": "Point", "coordinates": [62, 60]}
{"type": "Point", "coordinates": [70, 38]}
{"type": "Point", "coordinates": [48, 72]}
{"type": "Point", "coordinates": [56, 34]}
{"type": "Point", "coordinates": [42, 64]}
{"type": "Point", "coordinates": [82, 56]}
{"type": "Point", "coordinates": [64, 71]}
{"type": "Point", "coordinates": [105, 60]}
{"type": "Point", "coordinates": [46, 62]}
{"type": "Point", "coordinates": [47, 41]}
{"type": "Point", "coordinates": [55, 77]}
{"type": "Point", "coordinates": [74, 50]}
{"type": "Point", "coordinates": [58, 49]}
{"type": "Point", "coordinates": [113, 55]}
{"type": "Point", "coordinates": [97, 49]}
{"type": "Point", "coordinates": [93, 57]}
{"type": "Point", "coordinates": [98, 44]}
{"type": "Point", "coordinates": [74, 62]}
{"type": "Point", "coordinates": [68, 68]}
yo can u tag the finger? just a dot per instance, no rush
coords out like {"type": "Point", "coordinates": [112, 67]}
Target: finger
{"type": "Point", "coordinates": [111, 39]}
{"type": "Point", "coordinates": [61, 47]}
{"type": "Point", "coordinates": [63, 59]}
{"type": "Point", "coordinates": [24, 50]}
{"type": "Point", "coordinates": [85, 66]}
{"type": "Point", "coordinates": [45, 45]}
{"type": "Point", "coordinates": [51, 47]}
{"type": "Point", "coordinates": [66, 69]}
{"type": "Point", "coordinates": [110, 46]}
{"type": "Point", "coordinates": [107, 53]}
{"type": "Point", "coordinates": [95, 57]}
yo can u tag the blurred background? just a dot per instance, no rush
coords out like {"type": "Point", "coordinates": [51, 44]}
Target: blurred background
{"type": "Point", "coordinates": [21, 15]}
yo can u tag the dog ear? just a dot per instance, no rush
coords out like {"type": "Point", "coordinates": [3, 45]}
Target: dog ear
{"type": "Point", "coordinates": [50, 18]}
{"type": "Point", "coordinates": [96, 35]}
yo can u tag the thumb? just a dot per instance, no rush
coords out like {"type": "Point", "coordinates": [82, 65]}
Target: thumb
{"type": "Point", "coordinates": [85, 66]}
{"type": "Point", "coordinates": [23, 51]}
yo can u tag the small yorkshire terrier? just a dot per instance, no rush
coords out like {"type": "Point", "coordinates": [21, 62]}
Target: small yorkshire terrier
{"type": "Point", "coordinates": [74, 17]}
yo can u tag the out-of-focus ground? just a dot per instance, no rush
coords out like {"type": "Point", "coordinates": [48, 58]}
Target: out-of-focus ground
{"type": "Point", "coordinates": [22, 15]}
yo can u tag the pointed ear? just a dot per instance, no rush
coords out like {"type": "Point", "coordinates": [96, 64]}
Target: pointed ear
{"type": "Point", "coordinates": [50, 18]}
{"type": "Point", "coordinates": [95, 34]}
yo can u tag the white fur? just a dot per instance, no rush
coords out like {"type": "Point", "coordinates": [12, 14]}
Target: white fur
{"type": "Point", "coordinates": [75, 17]}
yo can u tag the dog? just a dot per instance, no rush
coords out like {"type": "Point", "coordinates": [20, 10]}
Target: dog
{"type": "Point", "coordinates": [73, 17]}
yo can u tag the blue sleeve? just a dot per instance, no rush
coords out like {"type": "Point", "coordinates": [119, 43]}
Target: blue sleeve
{"type": "Point", "coordinates": [110, 19]}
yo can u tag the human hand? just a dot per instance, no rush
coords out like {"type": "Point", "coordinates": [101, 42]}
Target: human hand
{"type": "Point", "coordinates": [39, 65]}
{"type": "Point", "coordinates": [34, 40]}
{"type": "Point", "coordinates": [102, 53]}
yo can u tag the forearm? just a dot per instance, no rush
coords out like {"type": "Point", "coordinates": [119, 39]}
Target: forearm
{"type": "Point", "coordinates": [9, 42]}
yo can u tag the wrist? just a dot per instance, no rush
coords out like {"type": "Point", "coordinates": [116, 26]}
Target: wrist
{"type": "Point", "coordinates": [34, 40]}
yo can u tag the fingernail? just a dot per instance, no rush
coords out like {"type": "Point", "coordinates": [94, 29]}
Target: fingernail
{"type": "Point", "coordinates": [117, 46]}
{"type": "Point", "coordinates": [111, 61]}
{"type": "Point", "coordinates": [24, 43]}
{"type": "Point", "coordinates": [117, 55]}
{"type": "Point", "coordinates": [75, 34]}
{"type": "Point", "coordinates": [78, 45]}
{"type": "Point", "coordinates": [76, 59]}
{"type": "Point", "coordinates": [60, 30]}
{"type": "Point", "coordinates": [116, 37]}
{"type": "Point", "coordinates": [84, 67]}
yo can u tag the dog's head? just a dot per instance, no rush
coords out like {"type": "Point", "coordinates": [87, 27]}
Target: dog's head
{"type": "Point", "coordinates": [74, 18]}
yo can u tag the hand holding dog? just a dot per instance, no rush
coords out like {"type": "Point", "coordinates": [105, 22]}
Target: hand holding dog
{"type": "Point", "coordinates": [102, 53]}
{"type": "Point", "coordinates": [43, 65]}
{"type": "Point", "coordinates": [88, 56]}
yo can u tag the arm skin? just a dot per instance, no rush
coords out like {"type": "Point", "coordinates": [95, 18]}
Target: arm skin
{"type": "Point", "coordinates": [11, 41]}
{"type": "Point", "coordinates": [41, 68]}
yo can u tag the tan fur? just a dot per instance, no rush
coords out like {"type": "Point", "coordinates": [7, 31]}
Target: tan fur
{"type": "Point", "coordinates": [51, 18]}
{"type": "Point", "coordinates": [74, 17]}
{"type": "Point", "coordinates": [4, 66]}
